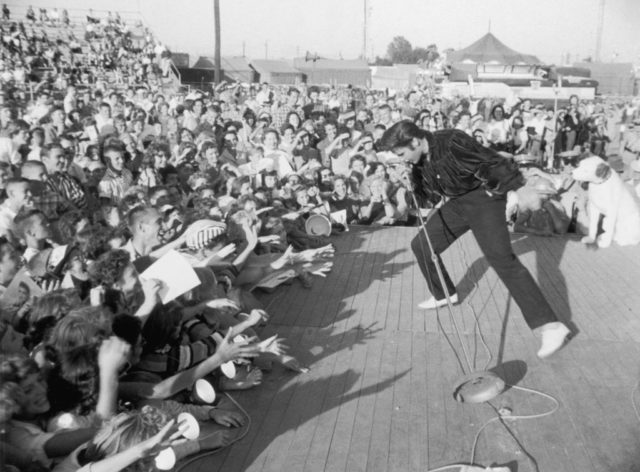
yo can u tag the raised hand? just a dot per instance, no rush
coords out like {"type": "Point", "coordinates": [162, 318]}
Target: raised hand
{"type": "Point", "coordinates": [151, 289]}
{"type": "Point", "coordinates": [113, 354]}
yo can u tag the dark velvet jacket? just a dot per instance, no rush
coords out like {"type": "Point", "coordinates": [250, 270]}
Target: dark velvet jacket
{"type": "Point", "coordinates": [457, 164]}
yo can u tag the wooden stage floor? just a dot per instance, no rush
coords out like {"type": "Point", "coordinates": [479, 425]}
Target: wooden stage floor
{"type": "Point", "coordinates": [378, 396]}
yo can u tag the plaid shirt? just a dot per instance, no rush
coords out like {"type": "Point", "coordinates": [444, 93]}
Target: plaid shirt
{"type": "Point", "coordinates": [52, 204]}
{"type": "Point", "coordinates": [280, 115]}
{"type": "Point", "coordinates": [67, 187]}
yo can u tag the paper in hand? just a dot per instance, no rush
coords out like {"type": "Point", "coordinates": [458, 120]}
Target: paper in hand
{"type": "Point", "coordinates": [175, 273]}
{"type": "Point", "coordinates": [21, 289]}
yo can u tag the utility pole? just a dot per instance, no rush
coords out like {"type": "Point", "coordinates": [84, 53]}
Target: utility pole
{"type": "Point", "coordinates": [364, 31]}
{"type": "Point", "coordinates": [596, 57]}
{"type": "Point", "coordinates": [266, 49]}
{"type": "Point", "coordinates": [243, 49]}
{"type": "Point", "coordinates": [218, 59]}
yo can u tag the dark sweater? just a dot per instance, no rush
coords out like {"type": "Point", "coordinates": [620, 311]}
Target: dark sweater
{"type": "Point", "coordinates": [457, 164]}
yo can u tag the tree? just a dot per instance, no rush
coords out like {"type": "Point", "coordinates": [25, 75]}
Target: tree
{"type": "Point", "coordinates": [400, 51]}
{"type": "Point", "coordinates": [382, 61]}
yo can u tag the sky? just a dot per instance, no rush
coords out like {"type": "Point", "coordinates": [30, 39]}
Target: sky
{"type": "Point", "coordinates": [275, 29]}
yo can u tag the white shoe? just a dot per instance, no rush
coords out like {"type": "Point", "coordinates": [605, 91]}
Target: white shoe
{"type": "Point", "coordinates": [432, 303]}
{"type": "Point", "coordinates": [553, 336]}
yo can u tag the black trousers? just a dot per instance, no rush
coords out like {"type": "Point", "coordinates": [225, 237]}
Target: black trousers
{"type": "Point", "coordinates": [485, 216]}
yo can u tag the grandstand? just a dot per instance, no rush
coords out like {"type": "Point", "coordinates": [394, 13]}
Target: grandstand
{"type": "Point", "coordinates": [94, 44]}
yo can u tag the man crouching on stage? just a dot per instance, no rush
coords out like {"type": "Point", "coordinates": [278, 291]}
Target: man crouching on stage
{"type": "Point", "coordinates": [473, 181]}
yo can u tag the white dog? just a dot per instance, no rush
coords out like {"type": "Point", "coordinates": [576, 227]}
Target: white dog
{"type": "Point", "coordinates": [608, 195]}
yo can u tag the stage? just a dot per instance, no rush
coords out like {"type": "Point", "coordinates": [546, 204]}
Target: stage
{"type": "Point", "coordinates": [378, 396]}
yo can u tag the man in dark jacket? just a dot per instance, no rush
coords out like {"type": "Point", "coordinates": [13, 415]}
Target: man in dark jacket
{"type": "Point", "coordinates": [469, 183]}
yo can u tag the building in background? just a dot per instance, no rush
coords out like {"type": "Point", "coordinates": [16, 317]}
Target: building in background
{"type": "Point", "coordinates": [276, 72]}
{"type": "Point", "coordinates": [354, 72]}
{"type": "Point", "coordinates": [490, 50]}
{"type": "Point", "coordinates": [233, 68]}
{"type": "Point", "coordinates": [614, 78]}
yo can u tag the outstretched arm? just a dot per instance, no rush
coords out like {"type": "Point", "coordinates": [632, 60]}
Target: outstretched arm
{"type": "Point", "coordinates": [498, 174]}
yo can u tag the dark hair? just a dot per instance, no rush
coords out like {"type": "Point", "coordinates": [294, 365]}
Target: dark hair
{"type": "Point", "coordinates": [249, 114]}
{"type": "Point", "coordinates": [36, 131]}
{"type": "Point", "coordinates": [373, 167]}
{"type": "Point", "coordinates": [401, 135]}
{"type": "Point", "coordinates": [236, 185]}
{"type": "Point", "coordinates": [357, 157]}
{"type": "Point", "coordinates": [17, 126]}
{"type": "Point", "coordinates": [113, 145]}
{"type": "Point", "coordinates": [495, 108]}
{"type": "Point", "coordinates": [109, 267]}
{"type": "Point", "coordinates": [67, 224]}
{"type": "Point", "coordinates": [127, 327]}
{"type": "Point", "coordinates": [181, 131]}
{"type": "Point", "coordinates": [92, 241]}
{"type": "Point", "coordinates": [160, 328]}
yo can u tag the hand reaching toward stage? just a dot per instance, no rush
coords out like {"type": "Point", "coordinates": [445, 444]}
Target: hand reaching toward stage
{"type": "Point", "coordinates": [223, 303]}
{"type": "Point", "coordinates": [257, 316]}
{"type": "Point", "coordinates": [273, 345]}
{"type": "Point", "coordinates": [271, 238]}
{"type": "Point", "coordinates": [229, 351]}
{"type": "Point", "coordinates": [226, 251]}
{"type": "Point", "coordinates": [319, 269]}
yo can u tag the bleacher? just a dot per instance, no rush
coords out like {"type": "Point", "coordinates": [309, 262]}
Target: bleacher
{"type": "Point", "coordinates": [77, 27]}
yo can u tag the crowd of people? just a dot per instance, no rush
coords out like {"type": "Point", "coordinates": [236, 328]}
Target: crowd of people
{"type": "Point", "coordinates": [100, 180]}
{"type": "Point", "coordinates": [48, 51]}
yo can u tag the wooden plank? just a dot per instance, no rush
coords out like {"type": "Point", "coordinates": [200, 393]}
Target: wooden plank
{"type": "Point", "coordinates": [358, 410]}
{"type": "Point", "coordinates": [378, 454]}
{"type": "Point", "coordinates": [344, 428]}
{"type": "Point", "coordinates": [363, 305]}
{"type": "Point", "coordinates": [418, 431]}
{"type": "Point", "coordinates": [266, 435]}
{"type": "Point", "coordinates": [399, 447]}
{"type": "Point", "coordinates": [308, 407]}
{"type": "Point", "coordinates": [359, 448]}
